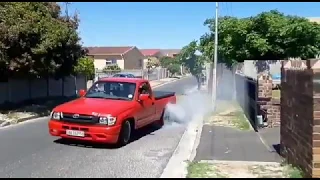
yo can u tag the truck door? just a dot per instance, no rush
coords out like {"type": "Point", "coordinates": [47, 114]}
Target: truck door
{"type": "Point", "coordinates": [148, 107]}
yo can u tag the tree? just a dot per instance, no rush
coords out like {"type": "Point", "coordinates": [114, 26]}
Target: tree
{"type": "Point", "coordinates": [173, 65]}
{"type": "Point", "coordinates": [174, 69]}
{"type": "Point", "coordinates": [192, 61]}
{"type": "Point", "coordinates": [114, 68]}
{"type": "Point", "coordinates": [266, 36]}
{"type": "Point", "coordinates": [85, 66]}
{"type": "Point", "coordinates": [165, 61]}
{"type": "Point", "coordinates": [35, 40]}
{"type": "Point", "coordinates": [152, 63]}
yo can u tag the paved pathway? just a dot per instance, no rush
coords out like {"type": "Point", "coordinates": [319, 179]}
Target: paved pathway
{"type": "Point", "coordinates": [271, 137]}
{"type": "Point", "coordinates": [225, 143]}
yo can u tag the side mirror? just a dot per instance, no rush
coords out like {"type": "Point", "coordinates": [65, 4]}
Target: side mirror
{"type": "Point", "coordinates": [82, 92]}
{"type": "Point", "coordinates": [143, 97]}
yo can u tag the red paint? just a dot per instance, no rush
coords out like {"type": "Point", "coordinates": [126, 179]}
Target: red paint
{"type": "Point", "coordinates": [144, 112]}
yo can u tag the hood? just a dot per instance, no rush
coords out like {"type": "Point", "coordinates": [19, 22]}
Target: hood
{"type": "Point", "coordinates": [89, 105]}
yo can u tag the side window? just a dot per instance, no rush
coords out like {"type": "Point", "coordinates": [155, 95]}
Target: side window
{"type": "Point", "coordinates": [145, 89]}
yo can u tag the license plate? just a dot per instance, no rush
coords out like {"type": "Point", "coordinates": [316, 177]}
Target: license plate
{"type": "Point", "coordinates": [75, 133]}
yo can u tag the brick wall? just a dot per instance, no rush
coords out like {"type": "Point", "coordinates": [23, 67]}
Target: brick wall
{"type": "Point", "coordinates": [269, 108]}
{"type": "Point", "coordinates": [300, 115]}
{"type": "Point", "coordinates": [274, 113]}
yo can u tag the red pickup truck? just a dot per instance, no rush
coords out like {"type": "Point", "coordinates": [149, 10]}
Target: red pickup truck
{"type": "Point", "coordinates": [110, 111]}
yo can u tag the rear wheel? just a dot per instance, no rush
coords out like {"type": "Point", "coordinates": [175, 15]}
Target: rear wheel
{"type": "Point", "coordinates": [125, 134]}
{"type": "Point", "coordinates": [164, 117]}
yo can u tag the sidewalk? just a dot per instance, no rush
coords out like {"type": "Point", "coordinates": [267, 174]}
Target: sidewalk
{"type": "Point", "coordinates": [155, 83]}
{"type": "Point", "coordinates": [228, 136]}
{"type": "Point", "coordinates": [228, 144]}
{"type": "Point", "coordinates": [230, 148]}
{"type": "Point", "coordinates": [271, 137]}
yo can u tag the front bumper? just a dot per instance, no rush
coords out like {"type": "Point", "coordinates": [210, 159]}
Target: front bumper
{"type": "Point", "coordinates": [93, 133]}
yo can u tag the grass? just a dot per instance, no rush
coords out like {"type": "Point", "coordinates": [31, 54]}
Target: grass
{"type": "Point", "coordinates": [291, 171]}
{"type": "Point", "coordinates": [276, 94]}
{"type": "Point", "coordinates": [232, 114]}
{"type": "Point", "coordinates": [225, 105]}
{"type": "Point", "coordinates": [239, 120]}
{"type": "Point", "coordinates": [203, 170]}
{"type": "Point", "coordinates": [231, 170]}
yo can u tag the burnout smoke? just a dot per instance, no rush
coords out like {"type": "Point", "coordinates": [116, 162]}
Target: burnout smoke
{"type": "Point", "coordinates": [193, 104]}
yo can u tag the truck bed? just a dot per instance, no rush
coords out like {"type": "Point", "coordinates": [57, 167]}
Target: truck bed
{"type": "Point", "coordinates": [162, 94]}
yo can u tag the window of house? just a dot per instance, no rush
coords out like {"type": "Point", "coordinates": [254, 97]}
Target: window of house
{"type": "Point", "coordinates": [112, 61]}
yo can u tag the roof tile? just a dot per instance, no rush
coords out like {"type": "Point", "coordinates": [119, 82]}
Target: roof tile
{"type": "Point", "coordinates": [108, 50]}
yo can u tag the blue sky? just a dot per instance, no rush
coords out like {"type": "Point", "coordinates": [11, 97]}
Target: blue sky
{"type": "Point", "coordinates": [166, 24]}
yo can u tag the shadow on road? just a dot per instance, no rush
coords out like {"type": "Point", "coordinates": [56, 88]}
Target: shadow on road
{"type": "Point", "coordinates": [138, 134]}
{"type": "Point", "coordinates": [277, 148]}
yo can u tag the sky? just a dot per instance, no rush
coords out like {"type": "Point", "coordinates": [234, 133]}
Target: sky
{"type": "Point", "coordinates": [165, 25]}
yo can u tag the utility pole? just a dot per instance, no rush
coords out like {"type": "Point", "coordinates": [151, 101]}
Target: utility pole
{"type": "Point", "coordinates": [66, 9]}
{"type": "Point", "coordinates": [215, 62]}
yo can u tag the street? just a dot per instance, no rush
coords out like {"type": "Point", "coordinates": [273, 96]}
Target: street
{"type": "Point", "coordinates": [27, 150]}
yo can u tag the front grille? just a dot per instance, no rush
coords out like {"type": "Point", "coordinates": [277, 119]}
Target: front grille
{"type": "Point", "coordinates": [87, 119]}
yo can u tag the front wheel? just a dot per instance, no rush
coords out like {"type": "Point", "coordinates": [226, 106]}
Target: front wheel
{"type": "Point", "coordinates": [125, 134]}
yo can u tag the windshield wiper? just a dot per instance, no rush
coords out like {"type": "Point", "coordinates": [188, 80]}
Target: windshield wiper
{"type": "Point", "coordinates": [95, 97]}
{"type": "Point", "coordinates": [118, 98]}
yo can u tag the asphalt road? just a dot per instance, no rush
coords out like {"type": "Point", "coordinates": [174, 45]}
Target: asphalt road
{"type": "Point", "coordinates": [28, 151]}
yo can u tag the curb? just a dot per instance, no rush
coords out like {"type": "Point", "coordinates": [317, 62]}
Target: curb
{"type": "Point", "coordinates": [7, 123]}
{"type": "Point", "coordinates": [185, 151]}
{"type": "Point", "coordinates": [239, 162]}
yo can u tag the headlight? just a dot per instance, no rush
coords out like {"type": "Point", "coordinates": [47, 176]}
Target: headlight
{"type": "Point", "coordinates": [56, 115]}
{"type": "Point", "coordinates": [108, 120]}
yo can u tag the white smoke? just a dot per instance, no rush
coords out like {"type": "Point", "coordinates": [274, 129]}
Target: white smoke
{"type": "Point", "coordinates": [193, 104]}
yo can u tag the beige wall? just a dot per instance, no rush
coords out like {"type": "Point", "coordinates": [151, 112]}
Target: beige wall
{"type": "Point", "coordinates": [129, 60]}
{"type": "Point", "coordinates": [133, 58]}
{"type": "Point", "coordinates": [100, 61]}
{"type": "Point", "coordinates": [145, 61]}
{"type": "Point", "coordinates": [120, 63]}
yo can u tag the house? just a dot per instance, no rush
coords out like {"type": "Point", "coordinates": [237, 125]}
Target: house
{"type": "Point", "coordinates": [126, 57]}
{"type": "Point", "coordinates": [170, 52]}
{"type": "Point", "coordinates": [153, 54]}
{"type": "Point", "coordinates": [314, 19]}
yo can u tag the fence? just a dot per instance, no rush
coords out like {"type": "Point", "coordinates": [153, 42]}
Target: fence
{"type": "Point", "coordinates": [154, 74]}
{"type": "Point", "coordinates": [19, 90]}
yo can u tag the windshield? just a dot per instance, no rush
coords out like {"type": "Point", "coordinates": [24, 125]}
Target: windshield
{"type": "Point", "coordinates": [112, 90]}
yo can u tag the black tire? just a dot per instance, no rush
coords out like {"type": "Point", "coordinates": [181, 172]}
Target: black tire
{"type": "Point", "coordinates": [159, 123]}
{"type": "Point", "coordinates": [125, 134]}
{"type": "Point", "coordinates": [164, 117]}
